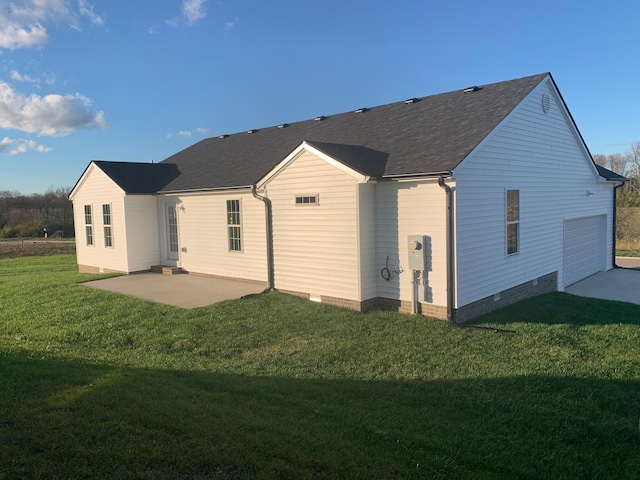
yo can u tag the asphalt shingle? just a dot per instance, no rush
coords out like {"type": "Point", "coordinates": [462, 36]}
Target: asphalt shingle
{"type": "Point", "coordinates": [429, 136]}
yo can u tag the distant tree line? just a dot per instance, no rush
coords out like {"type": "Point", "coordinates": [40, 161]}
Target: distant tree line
{"type": "Point", "coordinates": [29, 215]}
{"type": "Point", "coordinates": [628, 198]}
{"type": "Point", "coordinates": [626, 164]}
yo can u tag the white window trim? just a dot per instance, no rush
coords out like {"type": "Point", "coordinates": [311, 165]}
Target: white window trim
{"type": "Point", "coordinates": [315, 203]}
{"type": "Point", "coordinates": [109, 225]}
{"type": "Point", "coordinates": [507, 223]}
{"type": "Point", "coordinates": [88, 226]}
{"type": "Point", "coordinates": [234, 225]}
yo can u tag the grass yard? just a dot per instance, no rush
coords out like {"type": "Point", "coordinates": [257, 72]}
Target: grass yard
{"type": "Point", "coordinates": [97, 385]}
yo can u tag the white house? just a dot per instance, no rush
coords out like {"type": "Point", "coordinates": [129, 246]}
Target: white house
{"type": "Point", "coordinates": [450, 205]}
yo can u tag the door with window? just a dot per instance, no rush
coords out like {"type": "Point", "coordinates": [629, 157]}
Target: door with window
{"type": "Point", "coordinates": [172, 231]}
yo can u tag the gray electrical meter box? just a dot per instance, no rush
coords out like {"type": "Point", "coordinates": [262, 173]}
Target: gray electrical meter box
{"type": "Point", "coordinates": [417, 252]}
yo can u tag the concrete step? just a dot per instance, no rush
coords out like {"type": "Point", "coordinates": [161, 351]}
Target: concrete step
{"type": "Point", "coordinates": [165, 270]}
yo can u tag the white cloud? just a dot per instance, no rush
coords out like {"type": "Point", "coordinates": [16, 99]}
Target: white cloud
{"type": "Point", "coordinates": [23, 25]}
{"type": "Point", "coordinates": [187, 133]}
{"type": "Point", "coordinates": [230, 25]}
{"type": "Point", "coordinates": [22, 78]}
{"type": "Point", "coordinates": [14, 36]}
{"type": "Point", "coordinates": [86, 9]}
{"type": "Point", "coordinates": [54, 114]}
{"type": "Point", "coordinates": [191, 12]}
{"type": "Point", "coordinates": [47, 78]}
{"type": "Point", "coordinates": [19, 145]}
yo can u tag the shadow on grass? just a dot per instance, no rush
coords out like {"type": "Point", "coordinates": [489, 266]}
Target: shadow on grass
{"type": "Point", "coordinates": [562, 308]}
{"type": "Point", "coordinates": [65, 419]}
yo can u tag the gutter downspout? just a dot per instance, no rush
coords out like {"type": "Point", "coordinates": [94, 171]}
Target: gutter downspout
{"type": "Point", "coordinates": [269, 233]}
{"type": "Point", "coordinates": [450, 248]}
{"type": "Point", "coordinates": [615, 223]}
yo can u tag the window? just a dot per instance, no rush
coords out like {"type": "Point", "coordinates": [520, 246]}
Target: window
{"type": "Point", "coordinates": [306, 200]}
{"type": "Point", "coordinates": [106, 221]}
{"type": "Point", "coordinates": [88, 225]}
{"type": "Point", "coordinates": [234, 228]}
{"type": "Point", "coordinates": [513, 221]}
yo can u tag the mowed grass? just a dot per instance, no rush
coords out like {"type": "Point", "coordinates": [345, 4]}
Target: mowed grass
{"type": "Point", "coordinates": [98, 385]}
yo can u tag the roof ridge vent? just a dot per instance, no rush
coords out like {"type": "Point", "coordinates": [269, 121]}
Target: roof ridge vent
{"type": "Point", "coordinates": [320, 118]}
{"type": "Point", "coordinates": [224, 135]}
{"type": "Point", "coordinates": [473, 89]}
{"type": "Point", "coordinates": [253, 130]}
{"type": "Point", "coordinates": [283, 125]}
{"type": "Point", "coordinates": [412, 100]}
{"type": "Point", "coordinates": [362, 110]}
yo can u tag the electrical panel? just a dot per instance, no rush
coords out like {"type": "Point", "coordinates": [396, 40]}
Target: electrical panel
{"type": "Point", "coordinates": [416, 245]}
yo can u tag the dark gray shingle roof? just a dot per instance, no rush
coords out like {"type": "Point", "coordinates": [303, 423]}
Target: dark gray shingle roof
{"type": "Point", "coordinates": [139, 177]}
{"type": "Point", "coordinates": [432, 135]}
{"type": "Point", "coordinates": [610, 174]}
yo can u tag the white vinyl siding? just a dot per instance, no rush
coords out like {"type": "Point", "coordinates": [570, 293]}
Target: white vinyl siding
{"type": "Point", "coordinates": [316, 249]}
{"type": "Point", "coordinates": [411, 208]}
{"type": "Point", "coordinates": [203, 234]}
{"type": "Point", "coordinates": [96, 188]}
{"type": "Point", "coordinates": [143, 232]}
{"type": "Point", "coordinates": [540, 155]}
{"type": "Point", "coordinates": [369, 268]}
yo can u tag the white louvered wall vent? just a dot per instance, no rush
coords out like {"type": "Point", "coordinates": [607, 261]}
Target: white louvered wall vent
{"type": "Point", "coordinates": [546, 103]}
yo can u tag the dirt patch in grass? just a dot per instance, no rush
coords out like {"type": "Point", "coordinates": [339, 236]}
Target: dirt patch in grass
{"type": "Point", "coordinates": [30, 248]}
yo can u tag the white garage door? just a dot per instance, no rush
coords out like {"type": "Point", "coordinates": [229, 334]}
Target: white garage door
{"type": "Point", "coordinates": [584, 248]}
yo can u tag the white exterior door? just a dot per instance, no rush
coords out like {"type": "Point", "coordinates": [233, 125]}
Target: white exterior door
{"type": "Point", "coordinates": [171, 219]}
{"type": "Point", "coordinates": [584, 248]}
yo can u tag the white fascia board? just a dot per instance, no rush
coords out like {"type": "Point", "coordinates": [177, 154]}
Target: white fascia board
{"type": "Point", "coordinates": [81, 180]}
{"type": "Point", "coordinates": [305, 147]}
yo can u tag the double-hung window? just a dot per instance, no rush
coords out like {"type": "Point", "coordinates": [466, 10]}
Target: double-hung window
{"type": "Point", "coordinates": [88, 225]}
{"type": "Point", "coordinates": [106, 222]}
{"type": "Point", "coordinates": [513, 221]}
{"type": "Point", "coordinates": [234, 226]}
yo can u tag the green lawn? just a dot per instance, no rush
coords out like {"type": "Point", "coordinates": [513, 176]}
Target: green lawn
{"type": "Point", "coordinates": [97, 385]}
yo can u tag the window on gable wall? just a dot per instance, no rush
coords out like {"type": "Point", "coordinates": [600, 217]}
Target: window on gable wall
{"type": "Point", "coordinates": [306, 200]}
{"type": "Point", "coordinates": [234, 226]}
{"type": "Point", "coordinates": [88, 225]}
{"type": "Point", "coordinates": [106, 221]}
{"type": "Point", "coordinates": [513, 221]}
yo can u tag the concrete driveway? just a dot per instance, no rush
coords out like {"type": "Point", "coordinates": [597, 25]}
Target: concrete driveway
{"type": "Point", "coordinates": [184, 290]}
{"type": "Point", "coordinates": [621, 284]}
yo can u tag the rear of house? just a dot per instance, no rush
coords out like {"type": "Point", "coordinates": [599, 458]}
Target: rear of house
{"type": "Point", "coordinates": [449, 206]}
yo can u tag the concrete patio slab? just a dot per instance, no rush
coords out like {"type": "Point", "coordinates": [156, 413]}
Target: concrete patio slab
{"type": "Point", "coordinates": [184, 290]}
{"type": "Point", "coordinates": [621, 284]}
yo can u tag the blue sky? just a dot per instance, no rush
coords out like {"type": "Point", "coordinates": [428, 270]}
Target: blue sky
{"type": "Point", "coordinates": [139, 80]}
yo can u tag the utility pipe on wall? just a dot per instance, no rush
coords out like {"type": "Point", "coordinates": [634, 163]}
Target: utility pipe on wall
{"type": "Point", "coordinates": [269, 234]}
{"type": "Point", "coordinates": [450, 249]}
